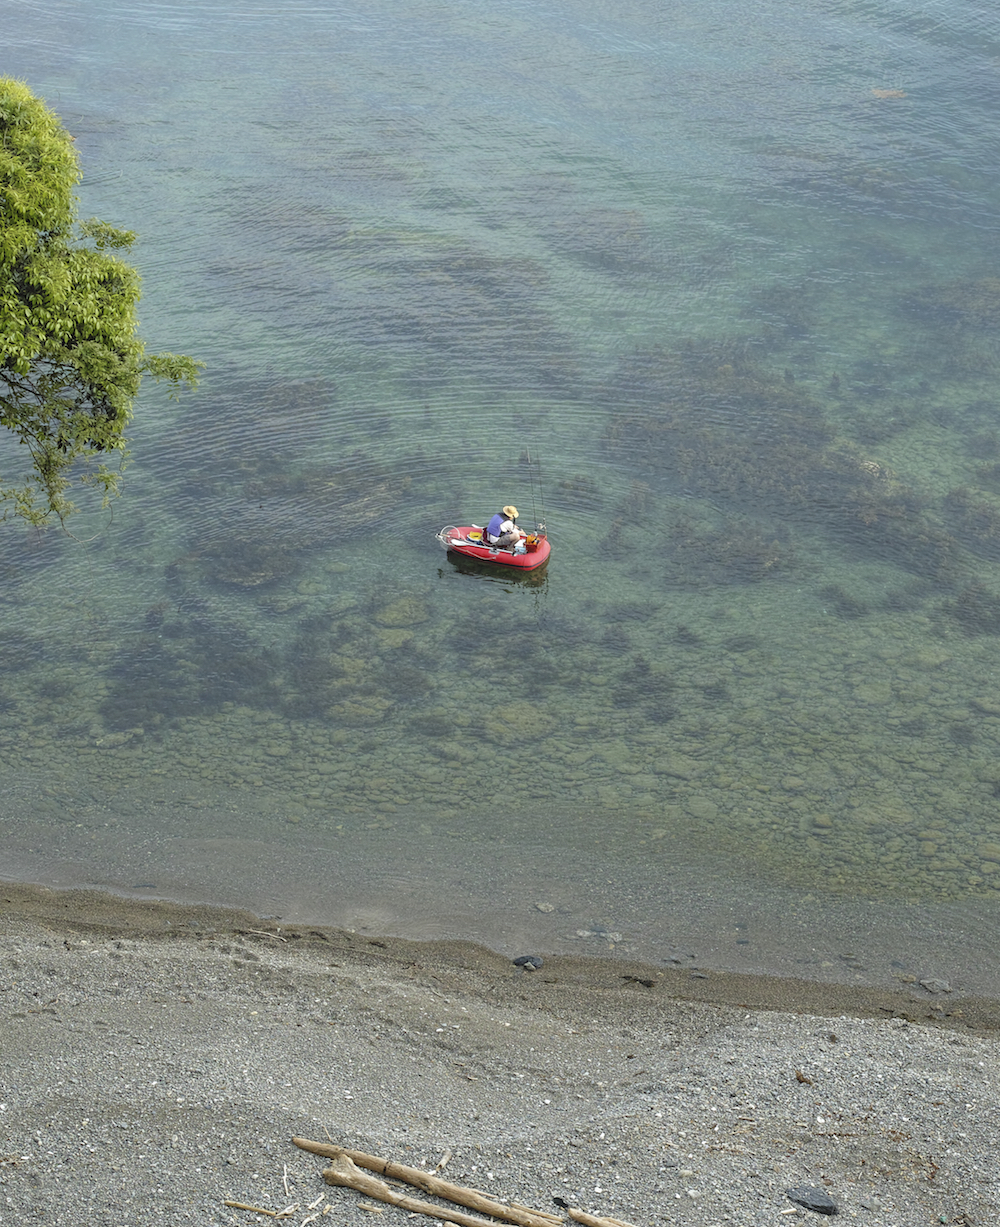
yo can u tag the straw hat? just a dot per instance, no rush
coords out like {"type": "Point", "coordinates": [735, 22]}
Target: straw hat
{"type": "Point", "coordinates": [510, 512]}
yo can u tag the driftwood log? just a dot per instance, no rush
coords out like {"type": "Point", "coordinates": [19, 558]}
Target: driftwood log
{"type": "Point", "coordinates": [596, 1220]}
{"type": "Point", "coordinates": [345, 1171]}
{"type": "Point", "coordinates": [434, 1185]}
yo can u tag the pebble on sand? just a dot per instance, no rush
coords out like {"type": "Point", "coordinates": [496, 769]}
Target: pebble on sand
{"type": "Point", "coordinates": [813, 1199]}
{"type": "Point", "coordinates": [528, 962]}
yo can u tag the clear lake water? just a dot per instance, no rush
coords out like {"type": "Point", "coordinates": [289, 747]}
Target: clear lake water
{"type": "Point", "coordinates": [713, 291]}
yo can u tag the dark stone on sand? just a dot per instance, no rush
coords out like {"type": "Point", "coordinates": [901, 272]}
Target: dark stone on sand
{"type": "Point", "coordinates": [529, 962]}
{"type": "Point", "coordinates": [812, 1199]}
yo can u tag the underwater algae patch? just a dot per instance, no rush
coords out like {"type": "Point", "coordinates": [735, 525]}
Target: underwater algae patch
{"type": "Point", "coordinates": [613, 241]}
{"type": "Point", "coordinates": [452, 301]}
{"type": "Point", "coordinates": [739, 551]}
{"type": "Point", "coordinates": [719, 427]}
{"type": "Point", "coordinates": [972, 302]}
{"type": "Point", "coordinates": [248, 562]}
{"type": "Point", "coordinates": [20, 651]}
{"type": "Point", "coordinates": [579, 493]}
{"type": "Point", "coordinates": [976, 608]}
{"type": "Point", "coordinates": [192, 665]}
{"type": "Point", "coordinates": [954, 326]}
{"type": "Point", "coordinates": [246, 446]}
{"type": "Point", "coordinates": [975, 520]}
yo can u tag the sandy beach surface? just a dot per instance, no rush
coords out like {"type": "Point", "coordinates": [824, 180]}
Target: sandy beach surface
{"type": "Point", "coordinates": [156, 1061]}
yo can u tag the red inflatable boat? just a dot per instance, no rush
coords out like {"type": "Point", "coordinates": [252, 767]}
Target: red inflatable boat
{"type": "Point", "coordinates": [469, 541]}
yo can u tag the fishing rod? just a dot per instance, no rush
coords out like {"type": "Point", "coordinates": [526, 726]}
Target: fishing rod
{"type": "Point", "coordinates": [540, 523]}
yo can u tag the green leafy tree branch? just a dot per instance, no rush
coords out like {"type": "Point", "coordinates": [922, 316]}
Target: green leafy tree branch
{"type": "Point", "coordinates": [71, 362]}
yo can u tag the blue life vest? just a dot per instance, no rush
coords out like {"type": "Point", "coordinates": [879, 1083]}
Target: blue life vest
{"type": "Point", "coordinates": [493, 528]}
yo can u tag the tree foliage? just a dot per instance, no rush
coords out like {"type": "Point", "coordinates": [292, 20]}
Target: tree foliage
{"type": "Point", "coordinates": [71, 361]}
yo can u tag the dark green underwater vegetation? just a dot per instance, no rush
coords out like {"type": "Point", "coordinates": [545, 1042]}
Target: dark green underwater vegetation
{"type": "Point", "coordinates": [715, 425]}
{"type": "Point", "coordinates": [964, 303]}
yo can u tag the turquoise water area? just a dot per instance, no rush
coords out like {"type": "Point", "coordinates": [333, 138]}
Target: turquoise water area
{"type": "Point", "coordinates": [711, 289]}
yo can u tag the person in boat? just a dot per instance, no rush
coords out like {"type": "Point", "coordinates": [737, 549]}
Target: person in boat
{"type": "Point", "coordinates": [503, 532]}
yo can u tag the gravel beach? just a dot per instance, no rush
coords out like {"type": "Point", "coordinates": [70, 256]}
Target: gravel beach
{"type": "Point", "coordinates": [156, 1061]}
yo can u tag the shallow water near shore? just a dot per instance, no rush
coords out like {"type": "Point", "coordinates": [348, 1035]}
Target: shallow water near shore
{"type": "Point", "coordinates": [720, 308]}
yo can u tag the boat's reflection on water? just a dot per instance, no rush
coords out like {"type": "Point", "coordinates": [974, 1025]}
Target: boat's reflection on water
{"type": "Point", "coordinates": [507, 577]}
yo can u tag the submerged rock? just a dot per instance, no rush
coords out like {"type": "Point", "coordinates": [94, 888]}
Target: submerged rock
{"type": "Point", "coordinates": [521, 720]}
{"type": "Point", "coordinates": [933, 985]}
{"type": "Point", "coordinates": [406, 611]}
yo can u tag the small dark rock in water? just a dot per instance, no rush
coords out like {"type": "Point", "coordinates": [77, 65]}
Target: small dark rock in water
{"type": "Point", "coordinates": [529, 962]}
{"type": "Point", "coordinates": [812, 1199]}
